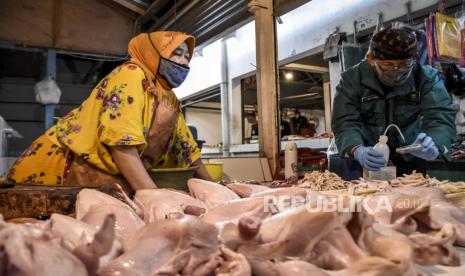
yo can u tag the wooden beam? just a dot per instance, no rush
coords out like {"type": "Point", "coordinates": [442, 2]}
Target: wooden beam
{"type": "Point", "coordinates": [130, 6]}
{"type": "Point", "coordinates": [267, 81]}
{"type": "Point", "coordinates": [56, 21]}
{"type": "Point", "coordinates": [90, 26]}
{"type": "Point", "coordinates": [120, 9]}
{"type": "Point", "coordinates": [84, 25]}
{"type": "Point", "coordinates": [306, 68]}
{"type": "Point", "coordinates": [26, 22]}
{"type": "Point", "coordinates": [327, 101]}
{"type": "Point", "coordinates": [284, 6]}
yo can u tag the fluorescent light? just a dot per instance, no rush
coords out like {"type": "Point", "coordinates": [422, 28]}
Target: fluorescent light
{"type": "Point", "coordinates": [309, 95]}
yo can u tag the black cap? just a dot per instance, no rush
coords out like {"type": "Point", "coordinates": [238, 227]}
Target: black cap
{"type": "Point", "coordinates": [393, 44]}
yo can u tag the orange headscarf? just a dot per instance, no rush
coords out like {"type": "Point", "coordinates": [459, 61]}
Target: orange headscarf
{"type": "Point", "coordinates": [143, 54]}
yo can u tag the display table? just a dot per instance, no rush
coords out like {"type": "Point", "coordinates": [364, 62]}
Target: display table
{"type": "Point", "coordinates": [312, 143]}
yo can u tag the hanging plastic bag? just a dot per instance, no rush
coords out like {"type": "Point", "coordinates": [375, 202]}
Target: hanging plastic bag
{"type": "Point", "coordinates": [460, 116]}
{"type": "Point", "coordinates": [448, 37]}
{"type": "Point", "coordinates": [47, 91]}
{"type": "Point", "coordinates": [334, 40]}
{"type": "Point", "coordinates": [462, 61]}
{"type": "Point", "coordinates": [462, 44]}
{"type": "Point", "coordinates": [429, 39]}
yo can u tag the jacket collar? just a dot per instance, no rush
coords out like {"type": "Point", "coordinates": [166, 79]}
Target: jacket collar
{"type": "Point", "coordinates": [369, 79]}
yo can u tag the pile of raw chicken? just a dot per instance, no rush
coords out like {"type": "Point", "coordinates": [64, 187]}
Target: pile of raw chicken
{"type": "Point", "coordinates": [225, 230]}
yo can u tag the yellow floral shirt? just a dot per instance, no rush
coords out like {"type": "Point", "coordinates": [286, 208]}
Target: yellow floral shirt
{"type": "Point", "coordinates": [119, 112]}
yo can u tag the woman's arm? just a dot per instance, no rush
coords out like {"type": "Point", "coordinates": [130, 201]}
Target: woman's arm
{"type": "Point", "coordinates": [201, 171]}
{"type": "Point", "coordinates": [130, 165]}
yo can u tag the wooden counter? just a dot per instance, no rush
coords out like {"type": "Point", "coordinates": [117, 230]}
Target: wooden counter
{"type": "Point", "coordinates": [37, 201]}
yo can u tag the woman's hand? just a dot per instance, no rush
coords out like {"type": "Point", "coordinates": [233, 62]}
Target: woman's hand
{"type": "Point", "coordinates": [201, 171]}
{"type": "Point", "coordinates": [130, 165]}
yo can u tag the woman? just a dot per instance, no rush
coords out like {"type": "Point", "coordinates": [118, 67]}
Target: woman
{"type": "Point", "coordinates": [129, 124]}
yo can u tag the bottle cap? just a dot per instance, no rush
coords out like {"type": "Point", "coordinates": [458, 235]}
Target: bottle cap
{"type": "Point", "coordinates": [383, 139]}
{"type": "Point", "coordinates": [291, 146]}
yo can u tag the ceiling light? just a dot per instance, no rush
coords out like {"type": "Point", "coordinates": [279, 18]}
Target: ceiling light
{"type": "Point", "coordinates": [288, 75]}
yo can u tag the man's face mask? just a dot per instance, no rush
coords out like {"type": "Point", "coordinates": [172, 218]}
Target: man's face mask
{"type": "Point", "coordinates": [393, 73]}
{"type": "Point", "coordinates": [174, 73]}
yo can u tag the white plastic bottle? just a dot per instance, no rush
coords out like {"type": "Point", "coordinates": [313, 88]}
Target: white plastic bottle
{"type": "Point", "coordinates": [290, 160]}
{"type": "Point", "coordinates": [381, 146]}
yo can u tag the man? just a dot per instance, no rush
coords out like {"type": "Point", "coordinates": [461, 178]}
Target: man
{"type": "Point", "coordinates": [389, 87]}
{"type": "Point", "coordinates": [299, 122]}
{"type": "Point", "coordinates": [252, 120]}
{"type": "Point", "coordinates": [285, 128]}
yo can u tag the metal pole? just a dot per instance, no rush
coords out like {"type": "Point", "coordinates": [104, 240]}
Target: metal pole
{"type": "Point", "coordinates": [225, 118]}
{"type": "Point", "coordinates": [51, 71]}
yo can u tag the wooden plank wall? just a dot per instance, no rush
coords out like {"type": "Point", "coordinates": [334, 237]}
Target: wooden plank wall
{"type": "Point", "coordinates": [84, 25]}
{"type": "Point", "coordinates": [21, 111]}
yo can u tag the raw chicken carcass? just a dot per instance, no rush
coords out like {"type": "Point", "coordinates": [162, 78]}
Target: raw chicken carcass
{"type": "Point", "coordinates": [440, 212]}
{"type": "Point", "coordinates": [292, 233]}
{"type": "Point", "coordinates": [374, 266]}
{"type": "Point", "coordinates": [211, 193]}
{"type": "Point", "coordinates": [93, 206]}
{"type": "Point", "coordinates": [427, 249]}
{"type": "Point", "coordinates": [393, 209]}
{"type": "Point", "coordinates": [27, 251]}
{"type": "Point", "coordinates": [298, 268]}
{"type": "Point", "coordinates": [277, 192]}
{"type": "Point", "coordinates": [234, 210]}
{"type": "Point", "coordinates": [383, 241]}
{"type": "Point", "coordinates": [436, 248]}
{"type": "Point", "coordinates": [282, 199]}
{"type": "Point", "coordinates": [159, 203]}
{"type": "Point", "coordinates": [299, 228]}
{"type": "Point", "coordinates": [75, 233]}
{"type": "Point", "coordinates": [337, 250]}
{"type": "Point", "coordinates": [295, 268]}
{"type": "Point", "coordinates": [232, 235]}
{"type": "Point", "coordinates": [234, 264]}
{"type": "Point", "coordinates": [89, 253]}
{"type": "Point", "coordinates": [246, 190]}
{"type": "Point", "coordinates": [168, 247]}
{"type": "Point", "coordinates": [72, 231]}
{"type": "Point", "coordinates": [86, 198]}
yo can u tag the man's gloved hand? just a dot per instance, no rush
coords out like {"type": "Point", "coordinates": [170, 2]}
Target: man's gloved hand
{"type": "Point", "coordinates": [428, 150]}
{"type": "Point", "coordinates": [369, 158]}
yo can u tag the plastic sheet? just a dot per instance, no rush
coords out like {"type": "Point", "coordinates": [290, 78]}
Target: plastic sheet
{"type": "Point", "coordinates": [444, 38]}
{"type": "Point", "coordinates": [47, 91]}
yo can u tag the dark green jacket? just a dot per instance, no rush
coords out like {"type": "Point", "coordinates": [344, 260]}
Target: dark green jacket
{"type": "Point", "coordinates": [362, 110]}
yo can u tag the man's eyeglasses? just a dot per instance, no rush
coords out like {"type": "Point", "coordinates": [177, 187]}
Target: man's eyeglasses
{"type": "Point", "coordinates": [394, 64]}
